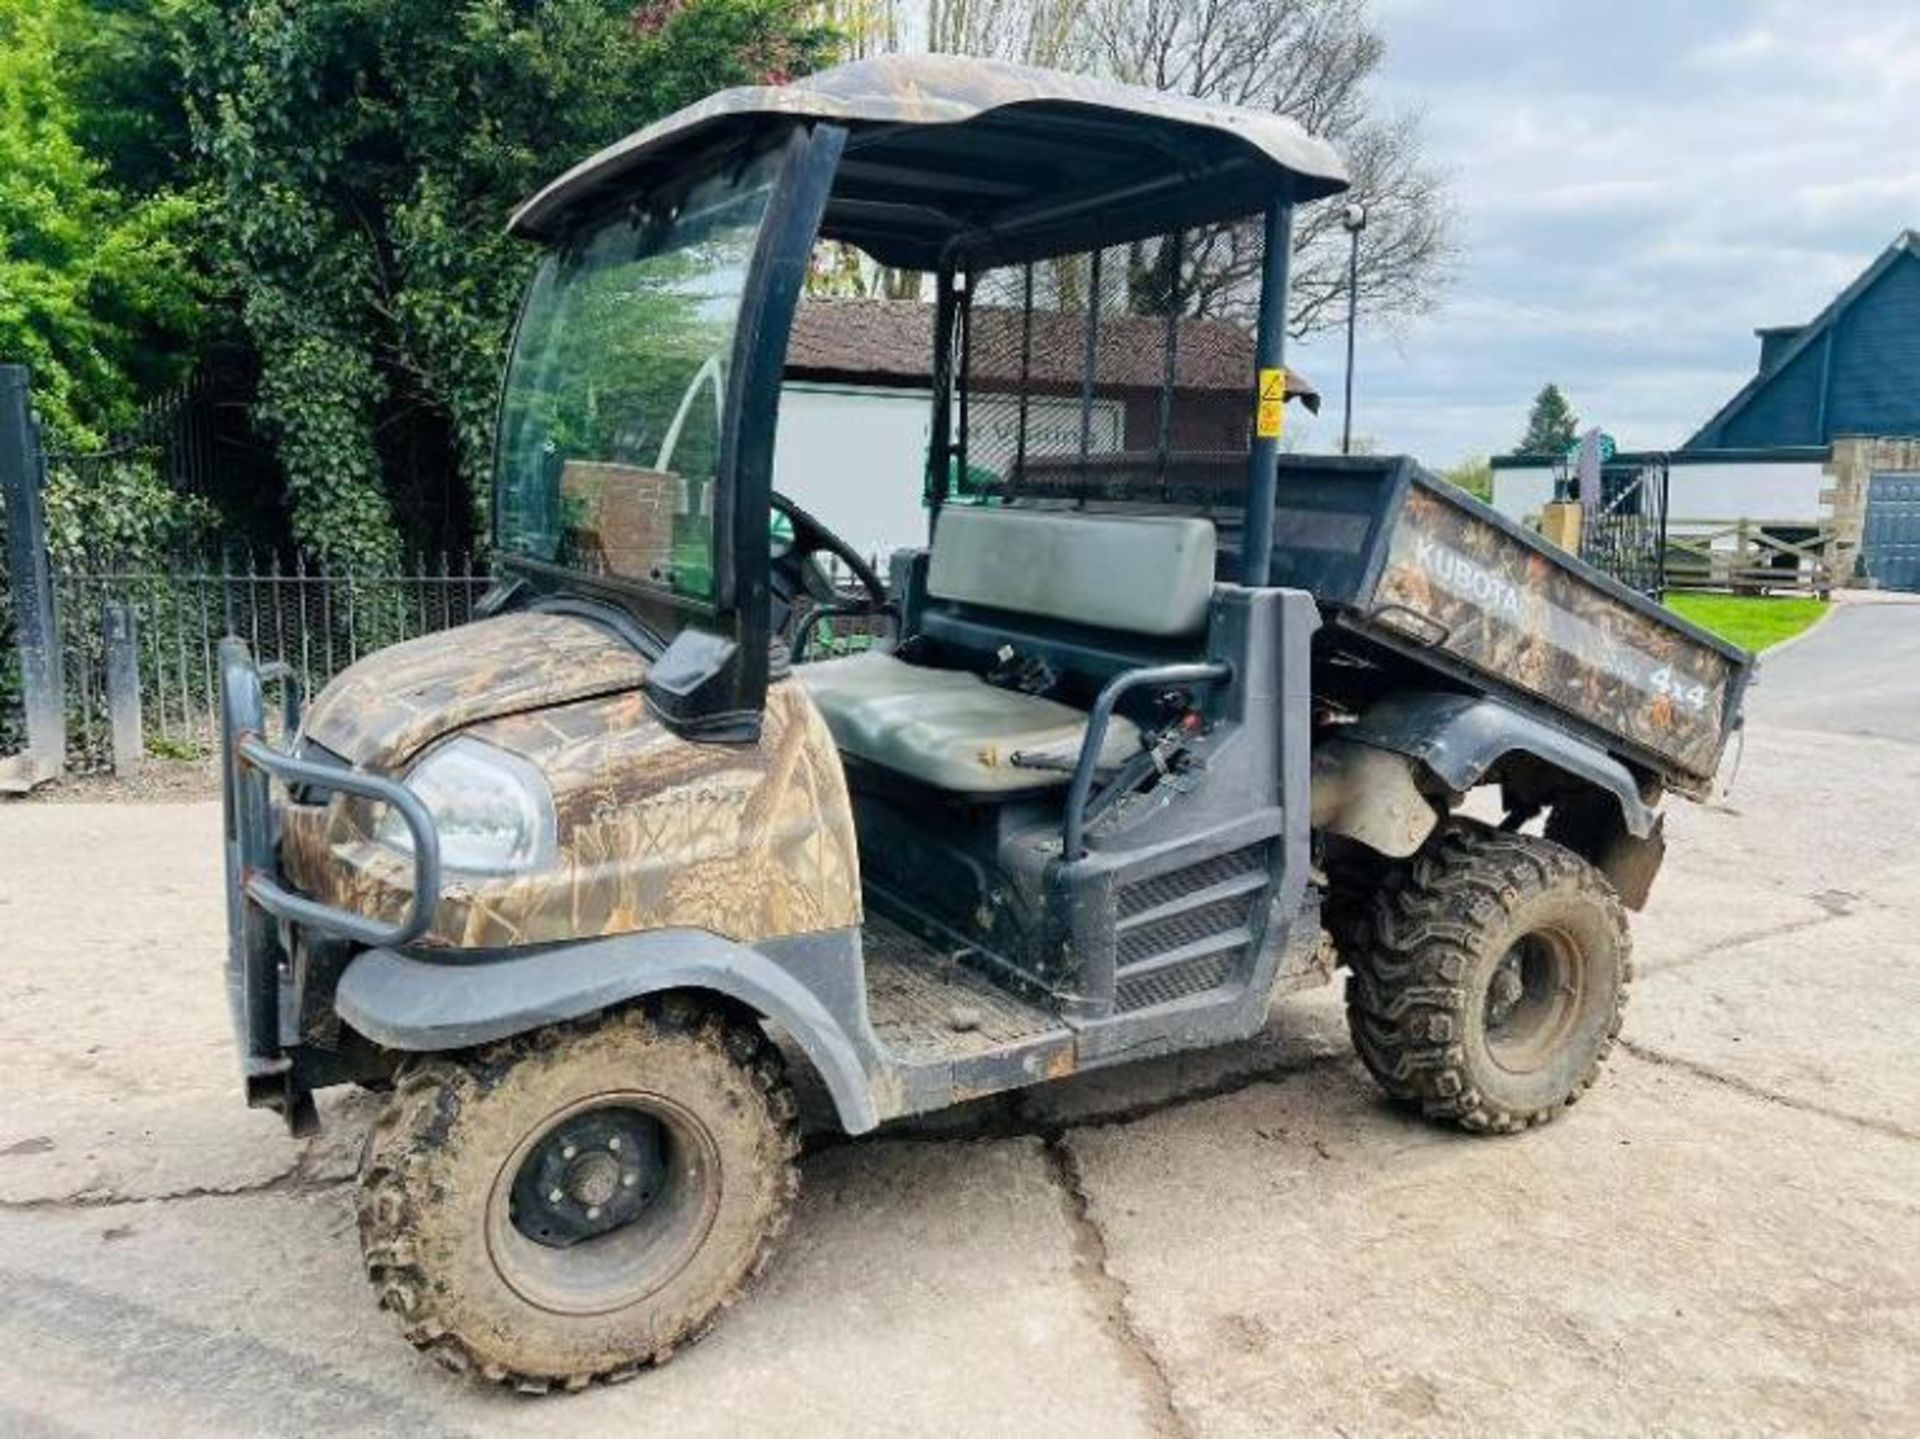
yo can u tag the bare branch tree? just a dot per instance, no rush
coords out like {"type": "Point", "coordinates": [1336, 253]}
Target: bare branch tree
{"type": "Point", "coordinates": [1033, 32]}
{"type": "Point", "coordinates": [1310, 60]}
{"type": "Point", "coordinates": [866, 27]}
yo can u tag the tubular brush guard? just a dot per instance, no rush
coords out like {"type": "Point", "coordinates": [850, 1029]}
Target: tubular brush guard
{"type": "Point", "coordinates": [261, 906]}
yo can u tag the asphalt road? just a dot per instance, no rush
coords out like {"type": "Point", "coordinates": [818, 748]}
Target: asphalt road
{"type": "Point", "coordinates": [1862, 677]}
{"type": "Point", "coordinates": [1725, 1235]}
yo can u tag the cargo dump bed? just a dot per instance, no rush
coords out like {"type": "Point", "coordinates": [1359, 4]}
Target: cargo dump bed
{"type": "Point", "coordinates": [1405, 565]}
{"type": "Point", "coordinates": [1404, 561]}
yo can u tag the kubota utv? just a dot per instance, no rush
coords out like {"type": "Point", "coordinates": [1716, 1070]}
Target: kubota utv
{"type": "Point", "coordinates": [1158, 724]}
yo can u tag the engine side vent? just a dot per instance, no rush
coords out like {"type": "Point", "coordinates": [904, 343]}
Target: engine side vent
{"type": "Point", "coordinates": [1164, 986]}
{"type": "Point", "coordinates": [1177, 884]}
{"type": "Point", "coordinates": [1189, 931]}
{"type": "Point", "coordinates": [1184, 927]}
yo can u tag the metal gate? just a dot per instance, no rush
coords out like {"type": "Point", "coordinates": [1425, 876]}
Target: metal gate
{"type": "Point", "coordinates": [1890, 539]}
{"type": "Point", "coordinates": [1624, 533]}
{"type": "Point", "coordinates": [107, 656]}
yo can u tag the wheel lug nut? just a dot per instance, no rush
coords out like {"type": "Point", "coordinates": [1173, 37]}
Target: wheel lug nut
{"type": "Point", "coordinates": [554, 1196]}
{"type": "Point", "coordinates": [627, 1181]}
{"type": "Point", "coordinates": [569, 1151]}
{"type": "Point", "coordinates": [593, 1211]}
{"type": "Point", "coordinates": [613, 1144]}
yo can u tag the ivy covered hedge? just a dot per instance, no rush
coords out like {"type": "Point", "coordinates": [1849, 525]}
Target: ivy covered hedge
{"type": "Point", "coordinates": [361, 158]}
{"type": "Point", "coordinates": [326, 182]}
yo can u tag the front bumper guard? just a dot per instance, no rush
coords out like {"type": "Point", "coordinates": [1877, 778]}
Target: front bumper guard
{"type": "Point", "coordinates": [262, 908]}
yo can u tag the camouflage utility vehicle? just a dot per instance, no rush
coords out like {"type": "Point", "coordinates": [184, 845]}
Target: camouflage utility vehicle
{"type": "Point", "coordinates": [1158, 725]}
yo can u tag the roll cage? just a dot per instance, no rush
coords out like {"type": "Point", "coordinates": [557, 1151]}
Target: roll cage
{"type": "Point", "coordinates": [940, 165]}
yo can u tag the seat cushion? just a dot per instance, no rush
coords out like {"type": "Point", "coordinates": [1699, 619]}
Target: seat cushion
{"type": "Point", "coordinates": [1145, 574]}
{"type": "Point", "coordinates": [950, 728]}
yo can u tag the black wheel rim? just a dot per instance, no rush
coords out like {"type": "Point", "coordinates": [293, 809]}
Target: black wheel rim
{"type": "Point", "coordinates": [588, 1176]}
{"type": "Point", "coordinates": [1532, 1001]}
{"type": "Point", "coordinates": [604, 1203]}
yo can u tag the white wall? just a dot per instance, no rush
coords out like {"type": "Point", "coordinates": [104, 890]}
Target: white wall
{"type": "Point", "coordinates": [856, 458]}
{"type": "Point", "coordinates": [1746, 492]}
{"type": "Point", "coordinates": [1519, 494]}
{"type": "Point", "coordinates": [1751, 491]}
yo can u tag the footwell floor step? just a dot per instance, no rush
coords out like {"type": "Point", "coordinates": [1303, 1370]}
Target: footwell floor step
{"type": "Point", "coordinates": [925, 1005]}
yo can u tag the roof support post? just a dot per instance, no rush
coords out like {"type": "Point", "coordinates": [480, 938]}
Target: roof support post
{"type": "Point", "coordinates": [1090, 369]}
{"type": "Point", "coordinates": [1270, 353]}
{"type": "Point", "coordinates": [940, 440]}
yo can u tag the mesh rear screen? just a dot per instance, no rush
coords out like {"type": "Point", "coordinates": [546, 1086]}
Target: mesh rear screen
{"type": "Point", "coordinates": [1123, 373]}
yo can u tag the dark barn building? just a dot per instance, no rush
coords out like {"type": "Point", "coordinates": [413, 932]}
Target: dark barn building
{"type": "Point", "coordinates": [1853, 371]}
{"type": "Point", "coordinates": [1849, 381]}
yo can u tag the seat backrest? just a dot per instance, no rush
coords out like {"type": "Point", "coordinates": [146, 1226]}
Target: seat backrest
{"type": "Point", "coordinates": [1142, 574]}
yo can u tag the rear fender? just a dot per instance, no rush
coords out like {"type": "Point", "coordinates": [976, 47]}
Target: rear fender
{"type": "Point", "coordinates": [1461, 737]}
{"type": "Point", "coordinates": [808, 985]}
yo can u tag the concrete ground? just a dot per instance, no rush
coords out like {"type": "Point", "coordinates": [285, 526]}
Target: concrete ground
{"type": "Point", "coordinates": [1725, 1235]}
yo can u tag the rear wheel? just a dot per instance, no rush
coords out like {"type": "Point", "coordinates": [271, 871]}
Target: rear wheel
{"type": "Point", "coordinates": [1488, 977]}
{"type": "Point", "coordinates": [575, 1204]}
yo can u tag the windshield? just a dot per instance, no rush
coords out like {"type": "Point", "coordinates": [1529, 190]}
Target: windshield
{"type": "Point", "coordinates": [610, 429]}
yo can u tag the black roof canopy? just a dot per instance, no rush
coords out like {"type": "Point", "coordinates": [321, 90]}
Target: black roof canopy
{"type": "Point", "coordinates": [984, 161]}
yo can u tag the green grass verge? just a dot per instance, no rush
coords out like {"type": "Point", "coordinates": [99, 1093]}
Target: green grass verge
{"type": "Point", "coordinates": [1754, 622]}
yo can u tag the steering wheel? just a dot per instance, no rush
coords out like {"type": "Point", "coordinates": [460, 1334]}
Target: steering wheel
{"type": "Point", "coordinates": [798, 586]}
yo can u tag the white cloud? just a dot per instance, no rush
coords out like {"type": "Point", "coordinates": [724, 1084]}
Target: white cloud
{"type": "Point", "coordinates": [1642, 184]}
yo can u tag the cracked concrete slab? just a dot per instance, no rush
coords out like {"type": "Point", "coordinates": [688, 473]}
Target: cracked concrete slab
{"type": "Point", "coordinates": [1110, 1292]}
{"type": "Point", "coordinates": [1672, 1256]}
{"type": "Point", "coordinates": [112, 1012]}
{"type": "Point", "coordinates": [1824, 1017]}
{"type": "Point", "coordinates": [924, 1288]}
{"type": "Point", "coordinates": [1306, 1030]}
{"type": "Point", "coordinates": [1238, 1241]}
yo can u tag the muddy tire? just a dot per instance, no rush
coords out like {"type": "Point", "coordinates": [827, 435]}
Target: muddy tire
{"type": "Point", "coordinates": [577, 1203]}
{"type": "Point", "coordinates": [1488, 976]}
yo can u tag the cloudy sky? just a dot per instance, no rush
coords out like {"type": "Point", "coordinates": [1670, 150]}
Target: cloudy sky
{"type": "Point", "coordinates": [1640, 184]}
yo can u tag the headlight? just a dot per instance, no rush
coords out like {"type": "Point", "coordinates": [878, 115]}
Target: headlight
{"type": "Point", "coordinates": [493, 810]}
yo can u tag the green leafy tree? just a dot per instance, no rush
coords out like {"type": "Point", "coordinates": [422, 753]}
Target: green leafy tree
{"type": "Point", "coordinates": [1474, 475]}
{"type": "Point", "coordinates": [1552, 426]}
{"type": "Point", "coordinates": [98, 290]}
{"type": "Point", "coordinates": [122, 65]}
{"type": "Point", "coordinates": [364, 156]}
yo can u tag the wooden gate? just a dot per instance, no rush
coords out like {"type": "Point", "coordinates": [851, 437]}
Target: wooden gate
{"type": "Point", "coordinates": [1750, 556]}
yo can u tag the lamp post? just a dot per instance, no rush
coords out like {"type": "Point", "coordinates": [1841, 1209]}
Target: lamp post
{"type": "Point", "coordinates": [1353, 219]}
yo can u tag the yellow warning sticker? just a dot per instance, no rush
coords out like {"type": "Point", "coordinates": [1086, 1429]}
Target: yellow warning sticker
{"type": "Point", "coordinates": [1270, 415]}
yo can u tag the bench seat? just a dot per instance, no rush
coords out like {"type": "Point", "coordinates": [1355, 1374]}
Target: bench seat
{"type": "Point", "coordinates": [950, 728]}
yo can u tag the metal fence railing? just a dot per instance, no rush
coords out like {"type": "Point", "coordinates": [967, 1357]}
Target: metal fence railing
{"type": "Point", "coordinates": [316, 620]}
{"type": "Point", "coordinates": [1624, 532]}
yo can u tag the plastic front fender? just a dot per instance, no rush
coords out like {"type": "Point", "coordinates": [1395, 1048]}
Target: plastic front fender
{"type": "Point", "coordinates": [809, 985]}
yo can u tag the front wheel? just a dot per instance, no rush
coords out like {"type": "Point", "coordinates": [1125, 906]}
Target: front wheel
{"type": "Point", "coordinates": [1488, 978]}
{"type": "Point", "coordinates": [574, 1204]}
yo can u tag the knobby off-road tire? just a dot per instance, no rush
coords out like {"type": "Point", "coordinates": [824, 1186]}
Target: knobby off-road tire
{"type": "Point", "coordinates": [441, 1226]}
{"type": "Point", "coordinates": [1488, 976]}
